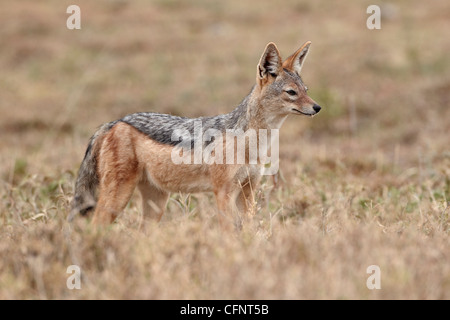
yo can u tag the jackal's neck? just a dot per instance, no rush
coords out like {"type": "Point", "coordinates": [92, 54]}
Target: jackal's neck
{"type": "Point", "coordinates": [253, 114]}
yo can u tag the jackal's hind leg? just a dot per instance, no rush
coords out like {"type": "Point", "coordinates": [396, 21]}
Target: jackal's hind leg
{"type": "Point", "coordinates": [118, 172]}
{"type": "Point", "coordinates": [154, 201]}
{"type": "Point", "coordinates": [113, 198]}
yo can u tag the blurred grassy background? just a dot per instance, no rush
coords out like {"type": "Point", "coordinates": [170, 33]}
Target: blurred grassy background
{"type": "Point", "coordinates": [378, 153]}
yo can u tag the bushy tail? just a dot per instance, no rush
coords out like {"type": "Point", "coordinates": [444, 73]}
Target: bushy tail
{"type": "Point", "coordinates": [85, 197]}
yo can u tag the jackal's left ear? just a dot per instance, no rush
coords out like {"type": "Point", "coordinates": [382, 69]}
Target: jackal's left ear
{"type": "Point", "coordinates": [295, 61]}
{"type": "Point", "coordinates": [269, 64]}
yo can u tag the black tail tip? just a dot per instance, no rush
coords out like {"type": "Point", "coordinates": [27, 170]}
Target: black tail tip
{"type": "Point", "coordinates": [83, 212]}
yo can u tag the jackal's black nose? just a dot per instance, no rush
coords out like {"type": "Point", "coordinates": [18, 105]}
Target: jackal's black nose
{"type": "Point", "coordinates": [317, 108]}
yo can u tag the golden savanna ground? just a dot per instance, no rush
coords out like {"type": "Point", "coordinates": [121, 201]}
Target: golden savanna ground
{"type": "Point", "coordinates": [365, 182]}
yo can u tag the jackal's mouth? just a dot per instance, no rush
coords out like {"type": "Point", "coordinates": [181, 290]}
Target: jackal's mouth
{"type": "Point", "coordinates": [304, 113]}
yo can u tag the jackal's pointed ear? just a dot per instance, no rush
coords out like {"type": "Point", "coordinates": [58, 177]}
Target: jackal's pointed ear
{"type": "Point", "coordinates": [295, 61]}
{"type": "Point", "coordinates": [269, 64]}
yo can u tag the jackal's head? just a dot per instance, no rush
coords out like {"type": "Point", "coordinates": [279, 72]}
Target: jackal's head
{"type": "Point", "coordinates": [281, 89]}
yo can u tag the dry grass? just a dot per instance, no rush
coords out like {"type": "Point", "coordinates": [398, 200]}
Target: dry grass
{"type": "Point", "coordinates": [365, 182]}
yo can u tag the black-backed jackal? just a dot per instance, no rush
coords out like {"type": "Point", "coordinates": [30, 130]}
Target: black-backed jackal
{"type": "Point", "coordinates": [137, 150]}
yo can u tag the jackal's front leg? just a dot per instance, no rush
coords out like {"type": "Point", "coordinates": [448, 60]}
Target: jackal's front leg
{"type": "Point", "coordinates": [223, 198]}
{"type": "Point", "coordinates": [245, 201]}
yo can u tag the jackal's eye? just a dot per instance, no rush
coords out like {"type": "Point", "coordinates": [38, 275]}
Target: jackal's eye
{"type": "Point", "coordinates": [291, 92]}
